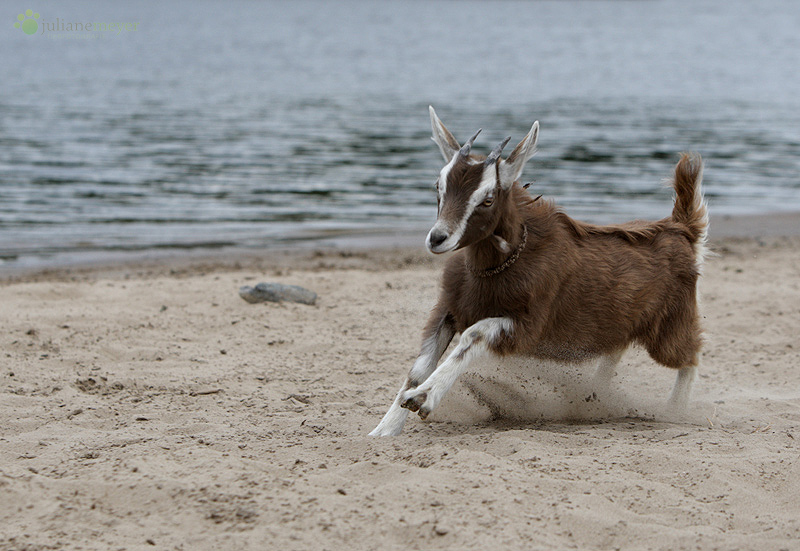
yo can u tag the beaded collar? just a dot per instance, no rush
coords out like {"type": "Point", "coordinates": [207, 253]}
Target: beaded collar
{"type": "Point", "coordinates": [506, 263]}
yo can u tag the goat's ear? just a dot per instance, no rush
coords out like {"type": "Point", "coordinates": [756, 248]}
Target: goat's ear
{"type": "Point", "coordinates": [443, 138]}
{"type": "Point", "coordinates": [511, 168]}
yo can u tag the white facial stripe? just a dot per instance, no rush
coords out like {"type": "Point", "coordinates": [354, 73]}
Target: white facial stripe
{"type": "Point", "coordinates": [443, 176]}
{"type": "Point", "coordinates": [478, 196]}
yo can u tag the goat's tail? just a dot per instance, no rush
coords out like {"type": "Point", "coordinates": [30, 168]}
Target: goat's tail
{"type": "Point", "coordinates": [690, 206]}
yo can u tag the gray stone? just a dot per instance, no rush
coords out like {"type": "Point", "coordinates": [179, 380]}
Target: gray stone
{"type": "Point", "coordinates": [276, 292]}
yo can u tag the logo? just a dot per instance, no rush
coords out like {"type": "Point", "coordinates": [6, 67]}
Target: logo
{"type": "Point", "coordinates": [30, 24]}
{"type": "Point", "coordinates": [27, 21]}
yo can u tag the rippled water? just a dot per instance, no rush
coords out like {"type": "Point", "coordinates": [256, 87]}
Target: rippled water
{"type": "Point", "coordinates": [241, 124]}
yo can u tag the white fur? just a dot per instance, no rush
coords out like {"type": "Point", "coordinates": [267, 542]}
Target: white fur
{"type": "Point", "coordinates": [432, 349]}
{"type": "Point", "coordinates": [392, 423]}
{"type": "Point", "coordinates": [455, 234]}
{"type": "Point", "coordinates": [606, 370]}
{"type": "Point", "coordinates": [683, 387]}
{"type": "Point", "coordinates": [442, 188]}
{"type": "Point", "coordinates": [700, 205]}
{"type": "Point", "coordinates": [473, 342]}
{"type": "Point", "coordinates": [700, 247]}
{"type": "Point", "coordinates": [427, 356]}
{"type": "Point", "coordinates": [502, 244]}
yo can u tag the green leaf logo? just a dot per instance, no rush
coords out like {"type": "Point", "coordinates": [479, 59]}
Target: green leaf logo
{"type": "Point", "coordinates": [27, 22]}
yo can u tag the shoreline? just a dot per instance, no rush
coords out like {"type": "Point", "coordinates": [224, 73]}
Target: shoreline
{"type": "Point", "coordinates": [360, 250]}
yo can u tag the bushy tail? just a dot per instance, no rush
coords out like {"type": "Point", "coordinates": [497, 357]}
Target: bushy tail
{"type": "Point", "coordinates": [690, 206]}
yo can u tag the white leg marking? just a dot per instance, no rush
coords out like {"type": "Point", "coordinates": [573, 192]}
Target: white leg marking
{"type": "Point", "coordinates": [683, 387]}
{"type": "Point", "coordinates": [392, 423]}
{"type": "Point", "coordinates": [474, 342]}
{"type": "Point", "coordinates": [606, 370]}
{"type": "Point", "coordinates": [432, 349]}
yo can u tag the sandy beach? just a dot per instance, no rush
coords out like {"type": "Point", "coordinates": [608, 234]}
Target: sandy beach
{"type": "Point", "coordinates": [148, 406]}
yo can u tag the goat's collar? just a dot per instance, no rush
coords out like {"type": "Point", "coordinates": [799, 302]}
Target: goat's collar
{"type": "Point", "coordinates": [506, 263]}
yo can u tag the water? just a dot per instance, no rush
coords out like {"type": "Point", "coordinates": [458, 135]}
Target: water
{"type": "Point", "coordinates": [261, 124]}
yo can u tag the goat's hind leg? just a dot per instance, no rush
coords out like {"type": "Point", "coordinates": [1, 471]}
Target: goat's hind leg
{"type": "Point", "coordinates": [679, 398]}
{"type": "Point", "coordinates": [677, 344]}
{"type": "Point", "coordinates": [477, 339]}
{"type": "Point", "coordinates": [678, 347]}
{"type": "Point", "coordinates": [437, 336]}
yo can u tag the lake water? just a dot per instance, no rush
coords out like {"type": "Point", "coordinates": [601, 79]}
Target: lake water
{"type": "Point", "coordinates": [263, 124]}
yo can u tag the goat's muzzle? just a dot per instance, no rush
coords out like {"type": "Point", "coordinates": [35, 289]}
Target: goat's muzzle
{"type": "Point", "coordinates": [436, 238]}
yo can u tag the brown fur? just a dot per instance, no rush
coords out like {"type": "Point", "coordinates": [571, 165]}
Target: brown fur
{"type": "Point", "coordinates": [462, 180]}
{"type": "Point", "coordinates": [579, 290]}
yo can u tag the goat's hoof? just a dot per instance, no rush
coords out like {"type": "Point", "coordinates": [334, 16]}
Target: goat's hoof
{"type": "Point", "coordinates": [423, 413]}
{"type": "Point", "coordinates": [414, 403]}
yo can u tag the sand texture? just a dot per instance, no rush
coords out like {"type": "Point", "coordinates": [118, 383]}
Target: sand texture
{"type": "Point", "coordinates": [155, 409]}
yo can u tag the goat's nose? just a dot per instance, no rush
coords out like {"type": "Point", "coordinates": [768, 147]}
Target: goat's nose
{"type": "Point", "coordinates": [437, 237]}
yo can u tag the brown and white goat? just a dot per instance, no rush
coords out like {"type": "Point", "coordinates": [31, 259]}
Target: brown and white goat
{"type": "Point", "coordinates": [527, 279]}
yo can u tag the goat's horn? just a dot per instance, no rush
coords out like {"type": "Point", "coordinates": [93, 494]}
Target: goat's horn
{"type": "Point", "coordinates": [464, 152]}
{"type": "Point", "coordinates": [495, 154]}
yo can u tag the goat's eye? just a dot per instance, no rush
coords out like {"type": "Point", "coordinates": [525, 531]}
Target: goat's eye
{"type": "Point", "coordinates": [488, 201]}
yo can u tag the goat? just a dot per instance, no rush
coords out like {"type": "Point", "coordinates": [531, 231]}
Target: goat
{"type": "Point", "coordinates": [529, 280]}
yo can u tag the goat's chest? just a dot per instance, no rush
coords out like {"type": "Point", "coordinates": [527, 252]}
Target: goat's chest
{"type": "Point", "coordinates": [490, 297]}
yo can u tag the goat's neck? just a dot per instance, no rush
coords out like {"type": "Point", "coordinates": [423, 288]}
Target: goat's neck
{"type": "Point", "coordinates": [493, 250]}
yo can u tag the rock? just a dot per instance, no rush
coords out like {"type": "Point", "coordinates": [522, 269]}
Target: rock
{"type": "Point", "coordinates": [276, 292]}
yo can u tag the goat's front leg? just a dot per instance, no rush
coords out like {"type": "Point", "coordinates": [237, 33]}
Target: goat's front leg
{"type": "Point", "coordinates": [479, 338]}
{"type": "Point", "coordinates": [436, 337]}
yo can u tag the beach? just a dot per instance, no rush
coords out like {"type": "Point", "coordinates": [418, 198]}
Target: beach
{"type": "Point", "coordinates": [155, 157]}
{"type": "Point", "coordinates": [147, 406]}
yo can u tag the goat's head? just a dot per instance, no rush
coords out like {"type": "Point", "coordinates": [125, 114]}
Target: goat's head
{"type": "Point", "coordinates": [473, 191]}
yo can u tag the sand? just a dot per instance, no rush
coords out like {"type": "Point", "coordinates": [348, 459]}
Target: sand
{"type": "Point", "coordinates": [150, 407]}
